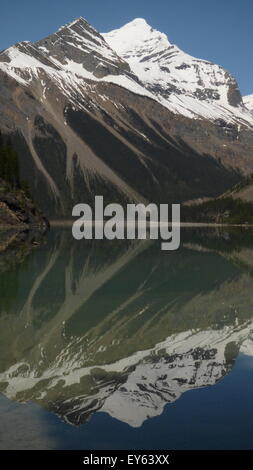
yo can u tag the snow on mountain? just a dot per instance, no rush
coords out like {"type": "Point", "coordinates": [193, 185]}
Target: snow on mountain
{"type": "Point", "coordinates": [248, 101]}
{"type": "Point", "coordinates": [135, 57]}
{"type": "Point", "coordinates": [76, 52]}
{"type": "Point", "coordinates": [136, 38]}
{"type": "Point", "coordinates": [182, 83]}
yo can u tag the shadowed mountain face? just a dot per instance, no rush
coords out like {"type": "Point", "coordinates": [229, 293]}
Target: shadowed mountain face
{"type": "Point", "coordinates": [122, 327]}
{"type": "Point", "coordinates": [88, 119]}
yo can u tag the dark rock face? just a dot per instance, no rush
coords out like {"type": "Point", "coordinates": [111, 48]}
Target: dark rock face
{"type": "Point", "coordinates": [17, 210]}
{"type": "Point", "coordinates": [207, 94]}
{"type": "Point", "coordinates": [234, 94]}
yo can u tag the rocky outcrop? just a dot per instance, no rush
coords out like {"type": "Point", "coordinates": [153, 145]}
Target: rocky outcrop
{"type": "Point", "coordinates": [18, 211]}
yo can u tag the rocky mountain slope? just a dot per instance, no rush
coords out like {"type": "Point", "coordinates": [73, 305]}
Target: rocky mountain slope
{"type": "Point", "coordinates": [87, 118]}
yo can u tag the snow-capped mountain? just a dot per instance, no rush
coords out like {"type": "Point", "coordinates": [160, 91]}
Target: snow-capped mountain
{"type": "Point", "coordinates": [72, 55]}
{"type": "Point", "coordinates": [248, 101]}
{"type": "Point", "coordinates": [184, 84]}
{"type": "Point", "coordinates": [125, 115]}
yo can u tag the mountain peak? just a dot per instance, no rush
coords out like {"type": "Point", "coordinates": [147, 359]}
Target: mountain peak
{"type": "Point", "coordinates": [137, 22]}
{"type": "Point", "coordinates": [137, 36]}
{"type": "Point", "coordinates": [76, 21]}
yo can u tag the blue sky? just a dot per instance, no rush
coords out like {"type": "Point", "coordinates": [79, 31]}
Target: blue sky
{"type": "Point", "coordinates": [220, 31]}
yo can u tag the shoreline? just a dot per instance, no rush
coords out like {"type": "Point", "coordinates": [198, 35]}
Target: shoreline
{"type": "Point", "coordinates": [22, 228]}
{"type": "Point", "coordinates": [68, 223]}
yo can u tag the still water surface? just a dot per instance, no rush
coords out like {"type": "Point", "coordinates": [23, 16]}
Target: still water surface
{"type": "Point", "coordinates": [116, 344]}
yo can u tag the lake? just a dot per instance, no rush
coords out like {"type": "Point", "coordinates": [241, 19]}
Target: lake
{"type": "Point", "coordinates": [119, 345]}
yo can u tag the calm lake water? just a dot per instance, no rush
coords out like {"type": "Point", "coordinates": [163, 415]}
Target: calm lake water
{"type": "Point", "coordinates": [118, 345]}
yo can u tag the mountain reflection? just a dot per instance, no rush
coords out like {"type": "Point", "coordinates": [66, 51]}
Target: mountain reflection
{"type": "Point", "coordinates": [122, 327]}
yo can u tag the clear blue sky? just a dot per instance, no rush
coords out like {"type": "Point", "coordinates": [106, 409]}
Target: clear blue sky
{"type": "Point", "coordinates": [220, 31]}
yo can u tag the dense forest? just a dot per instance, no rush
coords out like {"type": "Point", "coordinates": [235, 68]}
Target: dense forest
{"type": "Point", "coordinates": [226, 210]}
{"type": "Point", "coordinates": [9, 165]}
{"type": "Point", "coordinates": [9, 168]}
